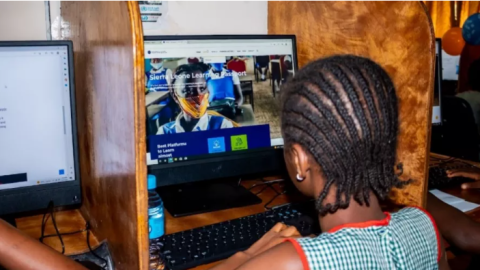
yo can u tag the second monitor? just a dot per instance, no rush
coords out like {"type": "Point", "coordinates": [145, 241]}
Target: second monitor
{"type": "Point", "coordinates": [212, 105]}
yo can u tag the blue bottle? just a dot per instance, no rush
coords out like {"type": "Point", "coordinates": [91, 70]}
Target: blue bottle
{"type": "Point", "coordinates": [156, 224]}
{"type": "Point", "coordinates": [156, 219]}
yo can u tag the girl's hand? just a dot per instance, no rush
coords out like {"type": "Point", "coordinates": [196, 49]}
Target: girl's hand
{"type": "Point", "coordinates": [275, 236]}
{"type": "Point", "coordinates": [467, 173]}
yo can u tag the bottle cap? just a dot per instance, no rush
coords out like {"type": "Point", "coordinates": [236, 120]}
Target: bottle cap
{"type": "Point", "coordinates": [151, 182]}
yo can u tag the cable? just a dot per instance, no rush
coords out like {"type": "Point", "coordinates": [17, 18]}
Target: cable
{"type": "Point", "coordinates": [466, 163]}
{"type": "Point", "coordinates": [272, 199]}
{"type": "Point", "coordinates": [262, 190]}
{"type": "Point", "coordinates": [63, 234]}
{"type": "Point", "coordinates": [442, 159]}
{"type": "Point", "coordinates": [93, 252]}
{"type": "Point", "coordinates": [451, 160]}
{"type": "Point", "coordinates": [266, 206]}
{"type": "Point", "coordinates": [50, 211]}
{"type": "Point", "coordinates": [50, 214]}
{"type": "Point", "coordinates": [270, 182]}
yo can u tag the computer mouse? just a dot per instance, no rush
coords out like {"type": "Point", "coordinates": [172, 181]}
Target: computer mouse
{"type": "Point", "coordinates": [90, 265]}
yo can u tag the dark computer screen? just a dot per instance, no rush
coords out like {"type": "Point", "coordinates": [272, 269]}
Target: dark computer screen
{"type": "Point", "coordinates": [210, 97]}
{"type": "Point", "coordinates": [436, 110]}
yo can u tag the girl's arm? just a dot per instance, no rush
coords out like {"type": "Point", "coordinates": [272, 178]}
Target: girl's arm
{"type": "Point", "coordinates": [280, 257]}
{"type": "Point", "coordinates": [273, 238]}
{"type": "Point", "coordinates": [454, 225]}
{"type": "Point", "coordinates": [20, 252]}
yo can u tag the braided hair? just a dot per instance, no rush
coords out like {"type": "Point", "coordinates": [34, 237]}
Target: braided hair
{"type": "Point", "coordinates": [343, 111]}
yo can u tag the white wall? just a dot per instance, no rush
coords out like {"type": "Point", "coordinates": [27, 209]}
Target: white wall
{"type": "Point", "coordinates": [22, 20]}
{"type": "Point", "coordinates": [26, 20]}
{"type": "Point", "coordinates": [204, 18]}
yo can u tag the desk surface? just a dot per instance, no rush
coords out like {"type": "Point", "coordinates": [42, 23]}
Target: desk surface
{"type": "Point", "coordinates": [67, 221]}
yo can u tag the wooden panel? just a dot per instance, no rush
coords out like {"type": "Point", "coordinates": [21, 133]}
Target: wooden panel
{"type": "Point", "coordinates": [109, 77]}
{"type": "Point", "coordinates": [67, 221]}
{"type": "Point", "coordinates": [397, 35]}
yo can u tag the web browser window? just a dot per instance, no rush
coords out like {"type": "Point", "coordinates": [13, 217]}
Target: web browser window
{"type": "Point", "coordinates": [208, 97]}
{"type": "Point", "coordinates": [36, 144]}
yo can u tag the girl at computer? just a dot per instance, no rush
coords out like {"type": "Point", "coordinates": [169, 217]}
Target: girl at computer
{"type": "Point", "coordinates": [340, 125]}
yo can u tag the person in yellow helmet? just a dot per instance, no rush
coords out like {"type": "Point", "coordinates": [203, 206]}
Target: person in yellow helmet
{"type": "Point", "coordinates": [190, 92]}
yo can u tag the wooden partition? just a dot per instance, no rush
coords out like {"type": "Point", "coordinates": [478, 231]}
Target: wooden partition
{"type": "Point", "coordinates": [397, 35]}
{"type": "Point", "coordinates": [109, 79]}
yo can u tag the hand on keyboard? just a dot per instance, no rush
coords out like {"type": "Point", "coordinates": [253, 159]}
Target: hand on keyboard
{"type": "Point", "coordinates": [275, 236]}
{"type": "Point", "coordinates": [255, 233]}
{"type": "Point", "coordinates": [471, 173]}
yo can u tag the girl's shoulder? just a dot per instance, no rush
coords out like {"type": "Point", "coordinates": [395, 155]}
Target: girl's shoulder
{"type": "Point", "coordinates": [408, 232]}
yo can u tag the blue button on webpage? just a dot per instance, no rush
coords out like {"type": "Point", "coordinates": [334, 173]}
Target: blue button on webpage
{"type": "Point", "coordinates": [216, 145]}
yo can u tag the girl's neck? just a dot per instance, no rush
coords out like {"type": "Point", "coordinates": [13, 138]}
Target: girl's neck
{"type": "Point", "coordinates": [355, 213]}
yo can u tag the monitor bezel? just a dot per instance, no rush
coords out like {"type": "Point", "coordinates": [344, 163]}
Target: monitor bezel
{"type": "Point", "coordinates": [207, 168]}
{"type": "Point", "coordinates": [68, 190]}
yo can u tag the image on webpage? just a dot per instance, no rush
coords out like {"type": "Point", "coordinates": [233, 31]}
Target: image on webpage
{"type": "Point", "coordinates": [209, 93]}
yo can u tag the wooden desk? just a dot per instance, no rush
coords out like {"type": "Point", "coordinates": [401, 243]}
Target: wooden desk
{"type": "Point", "coordinates": [67, 221]}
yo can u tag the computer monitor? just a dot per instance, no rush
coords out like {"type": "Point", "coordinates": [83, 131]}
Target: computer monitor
{"type": "Point", "coordinates": [38, 138]}
{"type": "Point", "coordinates": [437, 92]}
{"type": "Point", "coordinates": [212, 105]}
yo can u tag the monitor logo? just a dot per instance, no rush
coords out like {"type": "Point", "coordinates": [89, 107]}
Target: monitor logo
{"type": "Point", "coordinates": [149, 52]}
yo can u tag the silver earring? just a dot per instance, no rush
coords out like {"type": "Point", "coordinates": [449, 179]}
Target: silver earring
{"type": "Point", "coordinates": [299, 178]}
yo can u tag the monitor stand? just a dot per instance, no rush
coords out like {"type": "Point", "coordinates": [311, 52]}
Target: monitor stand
{"type": "Point", "coordinates": [206, 196]}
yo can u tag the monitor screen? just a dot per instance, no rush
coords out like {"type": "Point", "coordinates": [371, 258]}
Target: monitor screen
{"type": "Point", "coordinates": [36, 137]}
{"type": "Point", "coordinates": [214, 96]}
{"type": "Point", "coordinates": [436, 111]}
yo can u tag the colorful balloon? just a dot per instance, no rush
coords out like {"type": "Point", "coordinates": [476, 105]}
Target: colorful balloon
{"type": "Point", "coordinates": [471, 29]}
{"type": "Point", "coordinates": [453, 42]}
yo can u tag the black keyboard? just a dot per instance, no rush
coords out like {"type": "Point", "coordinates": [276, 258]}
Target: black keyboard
{"type": "Point", "coordinates": [437, 178]}
{"type": "Point", "coordinates": [187, 249]}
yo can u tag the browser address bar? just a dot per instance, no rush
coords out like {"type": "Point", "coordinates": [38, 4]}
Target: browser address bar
{"type": "Point", "coordinates": [196, 46]}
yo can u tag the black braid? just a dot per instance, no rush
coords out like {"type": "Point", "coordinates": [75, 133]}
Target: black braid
{"type": "Point", "coordinates": [343, 111]}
